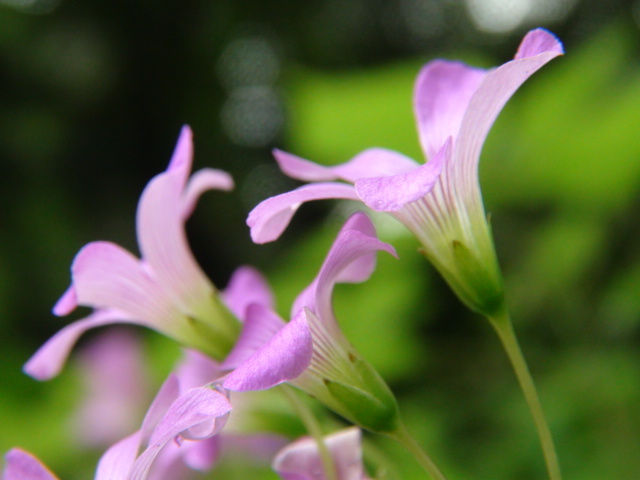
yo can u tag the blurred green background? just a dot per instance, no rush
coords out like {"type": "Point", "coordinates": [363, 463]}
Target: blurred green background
{"type": "Point", "coordinates": [93, 97]}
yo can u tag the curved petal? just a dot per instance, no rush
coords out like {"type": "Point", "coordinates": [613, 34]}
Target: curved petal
{"type": "Point", "coordinates": [442, 93]}
{"type": "Point", "coordinates": [391, 193]}
{"type": "Point", "coordinates": [67, 303]}
{"type": "Point", "coordinates": [182, 157]}
{"type": "Point", "coordinates": [49, 359]}
{"type": "Point", "coordinates": [117, 461]}
{"type": "Point", "coordinates": [359, 270]}
{"type": "Point", "coordinates": [349, 247]}
{"type": "Point", "coordinates": [301, 460]}
{"type": "Point", "coordinates": [260, 326]}
{"type": "Point", "coordinates": [21, 465]}
{"type": "Point", "coordinates": [370, 163]}
{"type": "Point", "coordinates": [495, 90]}
{"type": "Point", "coordinates": [197, 369]}
{"type": "Point", "coordinates": [202, 455]}
{"type": "Point", "coordinates": [246, 286]}
{"type": "Point", "coordinates": [163, 242]}
{"type": "Point", "coordinates": [105, 275]}
{"type": "Point", "coordinates": [200, 182]}
{"type": "Point", "coordinates": [168, 393]}
{"type": "Point", "coordinates": [195, 407]}
{"type": "Point", "coordinates": [283, 358]}
{"type": "Point", "coordinates": [270, 217]}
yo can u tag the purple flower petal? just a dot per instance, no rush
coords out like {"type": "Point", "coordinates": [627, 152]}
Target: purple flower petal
{"type": "Point", "coordinates": [539, 41]}
{"type": "Point", "coordinates": [358, 270]}
{"type": "Point", "coordinates": [117, 461]}
{"type": "Point", "coordinates": [391, 193]}
{"type": "Point", "coordinates": [106, 275]}
{"type": "Point", "coordinates": [260, 326]}
{"type": "Point", "coordinates": [198, 406]}
{"type": "Point", "coordinates": [269, 219]}
{"type": "Point", "coordinates": [301, 460]}
{"type": "Point", "coordinates": [442, 93]}
{"type": "Point", "coordinates": [201, 182]}
{"type": "Point", "coordinates": [494, 91]}
{"type": "Point", "coordinates": [197, 369]}
{"type": "Point", "coordinates": [370, 163]}
{"type": "Point", "coordinates": [21, 465]}
{"type": "Point", "coordinates": [283, 358]}
{"type": "Point", "coordinates": [49, 359]}
{"type": "Point", "coordinates": [246, 286]}
{"type": "Point", "coordinates": [349, 247]}
{"type": "Point", "coordinates": [67, 303]}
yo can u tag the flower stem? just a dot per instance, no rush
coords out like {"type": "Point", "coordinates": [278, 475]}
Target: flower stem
{"type": "Point", "coordinates": [403, 436]}
{"type": "Point", "coordinates": [503, 326]}
{"type": "Point", "coordinates": [314, 428]}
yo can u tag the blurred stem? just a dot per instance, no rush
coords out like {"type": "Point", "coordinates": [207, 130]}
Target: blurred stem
{"type": "Point", "coordinates": [403, 436]}
{"type": "Point", "coordinates": [314, 428]}
{"type": "Point", "coordinates": [503, 326]}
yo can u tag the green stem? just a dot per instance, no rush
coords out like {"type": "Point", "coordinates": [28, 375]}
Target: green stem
{"type": "Point", "coordinates": [503, 326]}
{"type": "Point", "coordinates": [403, 436]}
{"type": "Point", "coordinates": [315, 430]}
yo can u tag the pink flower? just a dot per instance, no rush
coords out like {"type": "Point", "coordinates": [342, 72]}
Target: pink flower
{"type": "Point", "coordinates": [165, 290]}
{"type": "Point", "coordinates": [301, 459]}
{"type": "Point", "coordinates": [439, 201]}
{"type": "Point", "coordinates": [310, 351]}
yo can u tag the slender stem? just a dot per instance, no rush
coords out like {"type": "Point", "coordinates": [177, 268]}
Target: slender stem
{"type": "Point", "coordinates": [315, 430]}
{"type": "Point", "coordinates": [504, 328]}
{"type": "Point", "coordinates": [403, 436]}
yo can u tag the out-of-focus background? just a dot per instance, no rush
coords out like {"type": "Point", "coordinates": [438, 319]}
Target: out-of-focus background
{"type": "Point", "coordinates": [93, 95]}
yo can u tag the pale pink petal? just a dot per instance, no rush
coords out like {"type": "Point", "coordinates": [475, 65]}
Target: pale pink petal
{"type": "Point", "coordinates": [164, 246]}
{"type": "Point", "coordinates": [283, 358]}
{"type": "Point", "coordinates": [260, 325]}
{"type": "Point", "coordinates": [349, 247]}
{"type": "Point", "coordinates": [168, 393]}
{"type": "Point", "coordinates": [539, 41]}
{"type": "Point", "coordinates": [21, 465]}
{"type": "Point", "coordinates": [358, 270]}
{"type": "Point", "coordinates": [107, 276]}
{"type": "Point", "coordinates": [495, 90]}
{"type": "Point", "coordinates": [49, 359]}
{"type": "Point", "coordinates": [195, 407]}
{"type": "Point", "coordinates": [391, 193]}
{"type": "Point", "coordinates": [301, 460]}
{"type": "Point", "coordinates": [197, 369]}
{"type": "Point", "coordinates": [182, 157]}
{"type": "Point", "coordinates": [370, 163]}
{"type": "Point", "coordinates": [67, 303]}
{"type": "Point", "coordinates": [117, 461]}
{"type": "Point", "coordinates": [114, 385]}
{"type": "Point", "coordinates": [202, 454]}
{"type": "Point", "coordinates": [442, 93]}
{"type": "Point", "coordinates": [200, 182]}
{"type": "Point", "coordinates": [269, 219]}
{"type": "Point", "coordinates": [246, 286]}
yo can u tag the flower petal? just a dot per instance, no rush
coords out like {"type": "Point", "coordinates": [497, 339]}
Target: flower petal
{"type": "Point", "coordinates": [195, 407]}
{"type": "Point", "coordinates": [246, 286]}
{"type": "Point", "coordinates": [359, 270]}
{"type": "Point", "coordinates": [391, 193]}
{"type": "Point", "coordinates": [260, 326]}
{"type": "Point", "coordinates": [442, 93]}
{"type": "Point", "coordinates": [283, 358]}
{"type": "Point", "coordinates": [117, 461]}
{"type": "Point", "coordinates": [67, 303]}
{"type": "Point", "coordinates": [49, 359]}
{"type": "Point", "coordinates": [197, 369]}
{"type": "Point", "coordinates": [349, 247]}
{"type": "Point", "coordinates": [495, 90]}
{"type": "Point", "coordinates": [105, 275]}
{"type": "Point", "coordinates": [200, 182]}
{"type": "Point", "coordinates": [21, 465]}
{"type": "Point", "coordinates": [162, 237]}
{"type": "Point", "coordinates": [301, 460]}
{"type": "Point", "coordinates": [270, 217]}
{"type": "Point", "coordinates": [369, 163]}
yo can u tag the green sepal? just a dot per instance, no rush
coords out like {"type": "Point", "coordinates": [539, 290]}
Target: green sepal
{"type": "Point", "coordinates": [370, 405]}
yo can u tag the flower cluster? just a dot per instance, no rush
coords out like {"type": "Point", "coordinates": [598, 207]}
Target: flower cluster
{"type": "Point", "coordinates": [234, 340]}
